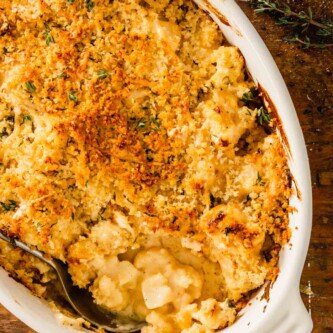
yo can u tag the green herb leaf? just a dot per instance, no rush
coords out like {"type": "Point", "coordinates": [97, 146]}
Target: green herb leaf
{"type": "Point", "coordinates": [72, 95]}
{"type": "Point", "coordinates": [30, 87]}
{"type": "Point", "coordinates": [142, 123]}
{"type": "Point", "coordinates": [102, 73]}
{"type": "Point", "coordinates": [324, 32]}
{"type": "Point", "coordinates": [89, 5]}
{"type": "Point", "coordinates": [303, 23]}
{"type": "Point", "coordinates": [70, 1]}
{"type": "Point", "coordinates": [157, 125]}
{"type": "Point", "coordinates": [249, 96]}
{"type": "Point", "coordinates": [285, 21]}
{"type": "Point", "coordinates": [48, 37]}
{"type": "Point", "coordinates": [259, 180]}
{"type": "Point", "coordinates": [306, 42]}
{"type": "Point", "coordinates": [263, 116]}
{"type": "Point", "coordinates": [10, 206]}
{"type": "Point", "coordinates": [73, 216]}
{"type": "Point", "coordinates": [27, 117]}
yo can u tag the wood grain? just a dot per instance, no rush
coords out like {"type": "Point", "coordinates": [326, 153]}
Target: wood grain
{"type": "Point", "coordinates": [10, 324]}
{"type": "Point", "coordinates": [309, 77]}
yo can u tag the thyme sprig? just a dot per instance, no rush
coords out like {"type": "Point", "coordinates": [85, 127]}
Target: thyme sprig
{"type": "Point", "coordinates": [10, 206]}
{"type": "Point", "coordinates": [306, 42]}
{"type": "Point", "coordinates": [263, 116]}
{"type": "Point", "coordinates": [249, 96]}
{"type": "Point", "coordinates": [102, 73]}
{"type": "Point", "coordinates": [143, 124]}
{"type": "Point", "coordinates": [89, 5]}
{"type": "Point", "coordinates": [72, 95]}
{"type": "Point", "coordinates": [157, 125]}
{"type": "Point", "coordinates": [48, 36]}
{"type": "Point", "coordinates": [30, 87]}
{"type": "Point", "coordinates": [259, 180]}
{"type": "Point", "coordinates": [306, 29]}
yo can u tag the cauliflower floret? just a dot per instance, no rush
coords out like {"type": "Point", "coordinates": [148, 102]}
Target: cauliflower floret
{"type": "Point", "coordinates": [107, 293]}
{"type": "Point", "coordinates": [158, 323]}
{"type": "Point", "coordinates": [156, 291]}
{"type": "Point", "coordinates": [165, 280]}
{"type": "Point", "coordinates": [197, 328]}
{"type": "Point", "coordinates": [115, 284]}
{"type": "Point", "coordinates": [214, 314]}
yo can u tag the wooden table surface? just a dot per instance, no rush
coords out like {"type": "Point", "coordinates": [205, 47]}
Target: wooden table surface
{"type": "Point", "coordinates": [309, 77]}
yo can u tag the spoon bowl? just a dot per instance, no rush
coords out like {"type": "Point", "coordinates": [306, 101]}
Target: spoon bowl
{"type": "Point", "coordinates": [81, 300]}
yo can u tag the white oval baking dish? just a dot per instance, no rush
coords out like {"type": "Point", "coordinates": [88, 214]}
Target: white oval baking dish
{"type": "Point", "coordinates": [284, 312]}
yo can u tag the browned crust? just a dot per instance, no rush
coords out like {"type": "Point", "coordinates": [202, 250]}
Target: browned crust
{"type": "Point", "coordinates": [280, 127]}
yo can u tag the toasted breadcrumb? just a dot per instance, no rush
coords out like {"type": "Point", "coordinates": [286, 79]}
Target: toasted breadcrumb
{"type": "Point", "coordinates": [127, 152]}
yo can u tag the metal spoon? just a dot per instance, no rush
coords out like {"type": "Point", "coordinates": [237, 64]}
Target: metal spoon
{"type": "Point", "coordinates": [81, 299]}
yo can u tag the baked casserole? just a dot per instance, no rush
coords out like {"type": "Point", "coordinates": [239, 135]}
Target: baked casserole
{"type": "Point", "coordinates": [134, 147]}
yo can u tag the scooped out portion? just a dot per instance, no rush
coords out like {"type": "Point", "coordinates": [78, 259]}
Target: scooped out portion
{"type": "Point", "coordinates": [135, 148]}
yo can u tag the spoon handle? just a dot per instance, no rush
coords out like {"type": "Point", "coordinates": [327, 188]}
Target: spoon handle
{"type": "Point", "coordinates": [65, 281]}
{"type": "Point", "coordinates": [26, 248]}
{"type": "Point", "coordinates": [60, 268]}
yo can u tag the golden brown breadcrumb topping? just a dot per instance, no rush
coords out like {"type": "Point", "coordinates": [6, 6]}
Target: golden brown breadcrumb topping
{"type": "Point", "coordinates": [134, 147]}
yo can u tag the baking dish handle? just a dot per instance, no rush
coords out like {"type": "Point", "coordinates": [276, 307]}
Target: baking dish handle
{"type": "Point", "coordinates": [296, 318]}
